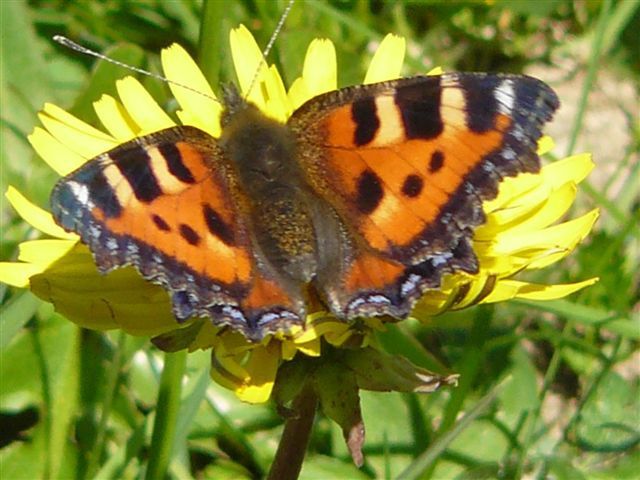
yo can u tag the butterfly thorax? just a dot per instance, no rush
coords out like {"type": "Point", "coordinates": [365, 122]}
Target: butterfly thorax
{"type": "Point", "coordinates": [263, 152]}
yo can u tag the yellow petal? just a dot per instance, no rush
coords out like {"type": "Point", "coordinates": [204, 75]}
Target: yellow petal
{"type": "Point", "coordinates": [247, 59]}
{"type": "Point", "coordinates": [312, 348]}
{"type": "Point", "coordinates": [141, 106]}
{"type": "Point", "coordinates": [115, 118]}
{"type": "Point", "coordinates": [435, 71]}
{"type": "Point", "coordinates": [288, 350]}
{"type": "Point", "coordinates": [57, 155]}
{"type": "Point", "coordinates": [511, 210]}
{"type": "Point", "coordinates": [74, 123]}
{"type": "Point", "coordinates": [220, 373]}
{"type": "Point", "coordinates": [552, 292]}
{"type": "Point", "coordinates": [262, 366]}
{"type": "Point", "coordinates": [531, 216]}
{"type": "Point", "coordinates": [509, 289]}
{"type": "Point", "coordinates": [557, 204]}
{"type": "Point", "coordinates": [476, 290]}
{"type": "Point", "coordinates": [387, 61]}
{"type": "Point", "coordinates": [317, 325]}
{"type": "Point", "coordinates": [503, 265]}
{"type": "Point", "coordinates": [235, 343]}
{"type": "Point", "coordinates": [578, 230]}
{"type": "Point", "coordinates": [337, 338]}
{"type": "Point", "coordinates": [511, 189]}
{"type": "Point", "coordinates": [229, 364]}
{"type": "Point", "coordinates": [120, 299]}
{"type": "Point", "coordinates": [298, 93]}
{"type": "Point", "coordinates": [199, 104]}
{"type": "Point", "coordinates": [502, 291]}
{"type": "Point", "coordinates": [277, 102]}
{"type": "Point", "coordinates": [571, 169]}
{"type": "Point", "coordinates": [36, 216]}
{"type": "Point", "coordinates": [545, 144]}
{"type": "Point", "coordinates": [18, 274]}
{"type": "Point", "coordinates": [84, 141]}
{"type": "Point", "coordinates": [320, 70]}
{"type": "Point", "coordinates": [44, 252]}
{"type": "Point", "coordinates": [564, 236]}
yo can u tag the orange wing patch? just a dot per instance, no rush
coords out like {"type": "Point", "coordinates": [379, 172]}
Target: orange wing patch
{"type": "Point", "coordinates": [369, 272]}
{"type": "Point", "coordinates": [189, 216]}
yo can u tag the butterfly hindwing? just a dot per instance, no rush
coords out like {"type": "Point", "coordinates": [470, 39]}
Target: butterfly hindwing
{"type": "Point", "coordinates": [406, 165]}
{"type": "Point", "coordinates": [169, 204]}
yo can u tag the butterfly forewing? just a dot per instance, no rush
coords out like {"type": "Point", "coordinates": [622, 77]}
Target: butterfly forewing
{"type": "Point", "coordinates": [168, 204]}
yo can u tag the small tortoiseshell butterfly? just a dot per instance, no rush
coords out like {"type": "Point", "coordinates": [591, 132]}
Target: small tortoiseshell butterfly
{"type": "Point", "coordinates": [364, 198]}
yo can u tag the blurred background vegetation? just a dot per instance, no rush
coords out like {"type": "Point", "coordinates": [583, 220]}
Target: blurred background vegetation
{"type": "Point", "coordinates": [570, 406]}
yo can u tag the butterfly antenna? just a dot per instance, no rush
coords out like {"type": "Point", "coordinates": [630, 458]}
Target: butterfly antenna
{"type": "Point", "coordinates": [79, 48]}
{"type": "Point", "coordinates": [270, 43]}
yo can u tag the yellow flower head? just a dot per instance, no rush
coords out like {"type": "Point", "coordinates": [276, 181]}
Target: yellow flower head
{"type": "Point", "coordinates": [520, 233]}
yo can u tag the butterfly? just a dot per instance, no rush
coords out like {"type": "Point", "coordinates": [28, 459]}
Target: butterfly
{"type": "Point", "coordinates": [364, 199]}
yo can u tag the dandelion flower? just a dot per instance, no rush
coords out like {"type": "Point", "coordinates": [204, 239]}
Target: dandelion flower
{"type": "Point", "coordinates": [521, 230]}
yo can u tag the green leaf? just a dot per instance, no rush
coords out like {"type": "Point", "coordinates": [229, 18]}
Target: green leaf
{"type": "Point", "coordinates": [15, 314]}
{"type": "Point", "coordinates": [563, 469]}
{"type": "Point", "coordinates": [427, 458]}
{"type": "Point", "coordinates": [61, 354]}
{"type": "Point", "coordinates": [587, 315]}
{"type": "Point", "coordinates": [399, 339]}
{"type": "Point", "coordinates": [608, 421]}
{"type": "Point", "coordinates": [528, 7]}
{"type": "Point", "coordinates": [118, 461]}
{"type": "Point", "coordinates": [337, 390]}
{"type": "Point", "coordinates": [378, 371]}
{"type": "Point", "coordinates": [321, 466]}
{"type": "Point", "coordinates": [389, 443]}
{"type": "Point", "coordinates": [625, 467]}
{"type": "Point", "coordinates": [520, 393]}
{"type": "Point", "coordinates": [179, 338]}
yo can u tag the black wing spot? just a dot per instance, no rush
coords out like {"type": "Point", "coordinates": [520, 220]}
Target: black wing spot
{"type": "Point", "coordinates": [176, 166]}
{"type": "Point", "coordinates": [436, 162]}
{"type": "Point", "coordinates": [412, 186]}
{"type": "Point", "coordinates": [134, 163]}
{"type": "Point", "coordinates": [364, 114]}
{"type": "Point", "coordinates": [189, 234]}
{"type": "Point", "coordinates": [480, 101]}
{"type": "Point", "coordinates": [419, 105]}
{"type": "Point", "coordinates": [217, 226]}
{"type": "Point", "coordinates": [370, 192]}
{"type": "Point", "coordinates": [160, 223]}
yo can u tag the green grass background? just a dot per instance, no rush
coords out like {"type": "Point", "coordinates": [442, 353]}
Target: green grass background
{"type": "Point", "coordinates": [551, 388]}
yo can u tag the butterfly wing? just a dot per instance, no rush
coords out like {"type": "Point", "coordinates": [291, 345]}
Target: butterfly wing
{"type": "Point", "coordinates": [169, 204]}
{"type": "Point", "coordinates": [406, 165]}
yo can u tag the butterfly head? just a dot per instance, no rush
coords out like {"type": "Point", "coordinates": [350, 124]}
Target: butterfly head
{"type": "Point", "coordinates": [233, 103]}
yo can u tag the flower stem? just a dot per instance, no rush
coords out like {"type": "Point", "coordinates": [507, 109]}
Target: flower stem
{"type": "Point", "coordinates": [166, 414]}
{"type": "Point", "coordinates": [295, 437]}
{"type": "Point", "coordinates": [109, 396]}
